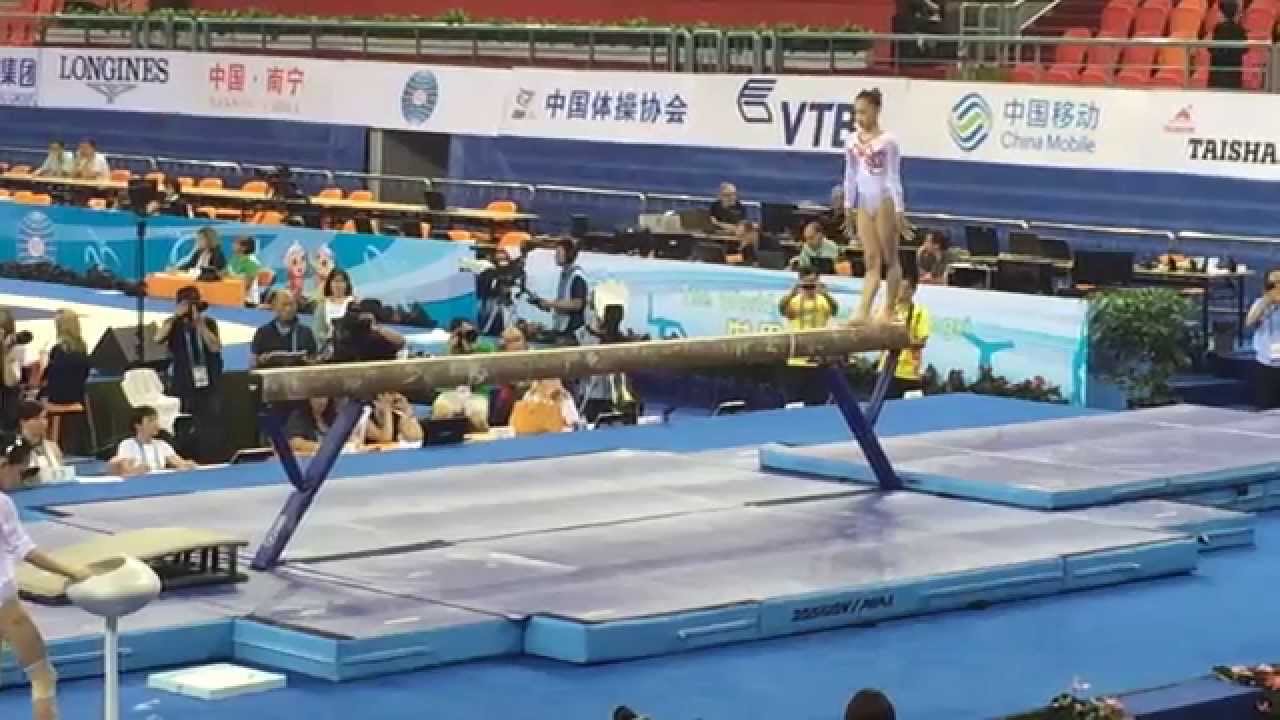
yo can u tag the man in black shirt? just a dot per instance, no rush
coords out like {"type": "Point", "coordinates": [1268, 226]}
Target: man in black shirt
{"type": "Point", "coordinates": [1225, 63]}
{"type": "Point", "coordinates": [196, 374]}
{"type": "Point", "coordinates": [727, 214]}
{"type": "Point", "coordinates": [283, 341]}
{"type": "Point", "coordinates": [833, 221]}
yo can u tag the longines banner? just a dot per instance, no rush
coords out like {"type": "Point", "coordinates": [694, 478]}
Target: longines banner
{"type": "Point", "coordinates": [1222, 134]}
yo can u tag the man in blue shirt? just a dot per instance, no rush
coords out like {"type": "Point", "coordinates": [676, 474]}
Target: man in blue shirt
{"type": "Point", "coordinates": [1264, 320]}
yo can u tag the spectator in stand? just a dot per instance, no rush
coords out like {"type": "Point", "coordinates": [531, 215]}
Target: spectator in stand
{"type": "Point", "coordinates": [311, 422]}
{"type": "Point", "coordinates": [32, 459]}
{"type": "Point", "coordinates": [245, 265]}
{"type": "Point", "coordinates": [58, 163]}
{"type": "Point", "coordinates": [10, 372]}
{"type": "Point", "coordinates": [1264, 320]}
{"type": "Point", "coordinates": [1224, 63]}
{"type": "Point", "coordinates": [393, 421]}
{"type": "Point", "coordinates": [909, 375]}
{"type": "Point", "coordinates": [869, 705]}
{"type": "Point", "coordinates": [934, 258]}
{"type": "Point", "coordinates": [727, 214]}
{"type": "Point", "coordinates": [68, 367]}
{"type": "Point", "coordinates": [506, 396]}
{"type": "Point", "coordinates": [816, 246]}
{"type": "Point", "coordinates": [336, 295]}
{"type": "Point", "coordinates": [144, 452]}
{"type": "Point", "coordinates": [89, 163]}
{"type": "Point", "coordinates": [206, 260]}
{"type": "Point", "coordinates": [833, 221]}
{"type": "Point", "coordinates": [284, 341]}
{"type": "Point", "coordinates": [465, 401]}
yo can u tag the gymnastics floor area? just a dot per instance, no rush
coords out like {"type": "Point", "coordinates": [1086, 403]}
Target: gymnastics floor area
{"type": "Point", "coordinates": [642, 542]}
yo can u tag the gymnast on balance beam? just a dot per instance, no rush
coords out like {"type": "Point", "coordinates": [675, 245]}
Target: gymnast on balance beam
{"type": "Point", "coordinates": [16, 626]}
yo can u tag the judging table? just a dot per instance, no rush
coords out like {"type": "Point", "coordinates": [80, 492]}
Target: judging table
{"type": "Point", "coordinates": [41, 181]}
{"type": "Point", "coordinates": [228, 291]}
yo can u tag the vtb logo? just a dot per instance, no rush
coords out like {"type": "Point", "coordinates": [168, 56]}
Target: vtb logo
{"type": "Point", "coordinates": [753, 100]}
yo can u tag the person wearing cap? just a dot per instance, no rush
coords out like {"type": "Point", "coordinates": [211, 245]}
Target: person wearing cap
{"type": "Point", "coordinates": [194, 344]}
{"type": "Point", "coordinates": [568, 310]}
{"type": "Point", "coordinates": [32, 458]}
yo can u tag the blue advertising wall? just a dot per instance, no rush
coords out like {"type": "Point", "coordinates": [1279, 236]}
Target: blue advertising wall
{"type": "Point", "coordinates": [1018, 336]}
{"type": "Point", "coordinates": [397, 271]}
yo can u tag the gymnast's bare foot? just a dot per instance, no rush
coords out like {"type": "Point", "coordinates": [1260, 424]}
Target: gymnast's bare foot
{"type": "Point", "coordinates": [46, 709]}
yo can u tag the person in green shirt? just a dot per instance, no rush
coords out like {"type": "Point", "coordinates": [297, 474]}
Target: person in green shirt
{"type": "Point", "coordinates": [245, 265]}
{"type": "Point", "coordinates": [816, 246]}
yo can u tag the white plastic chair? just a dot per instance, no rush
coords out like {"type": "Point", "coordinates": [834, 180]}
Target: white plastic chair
{"type": "Point", "coordinates": [142, 386]}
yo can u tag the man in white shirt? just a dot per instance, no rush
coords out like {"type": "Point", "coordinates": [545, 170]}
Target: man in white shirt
{"type": "Point", "coordinates": [58, 163]}
{"type": "Point", "coordinates": [90, 164]}
{"type": "Point", "coordinates": [1264, 320]}
{"type": "Point", "coordinates": [144, 452]}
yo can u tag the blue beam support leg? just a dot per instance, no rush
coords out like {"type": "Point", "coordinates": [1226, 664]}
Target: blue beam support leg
{"type": "Point", "coordinates": [306, 484]}
{"type": "Point", "coordinates": [862, 428]}
{"type": "Point", "coordinates": [881, 390]}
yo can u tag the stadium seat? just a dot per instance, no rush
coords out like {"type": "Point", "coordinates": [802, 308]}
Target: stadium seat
{"type": "Point", "coordinates": [269, 217]}
{"type": "Point", "coordinates": [5, 194]}
{"type": "Point", "coordinates": [1101, 63]}
{"type": "Point", "coordinates": [504, 206]}
{"type": "Point", "coordinates": [1117, 20]}
{"type": "Point", "coordinates": [1069, 58]}
{"type": "Point", "coordinates": [514, 241]}
{"type": "Point", "coordinates": [121, 175]}
{"type": "Point", "coordinates": [1150, 21]}
{"type": "Point", "coordinates": [1025, 73]}
{"type": "Point", "coordinates": [1185, 22]}
{"type": "Point", "coordinates": [1165, 5]}
{"type": "Point", "coordinates": [1253, 72]}
{"type": "Point", "coordinates": [1200, 74]}
{"type": "Point", "coordinates": [1259, 20]}
{"type": "Point", "coordinates": [331, 192]}
{"type": "Point", "coordinates": [97, 204]}
{"type": "Point", "coordinates": [460, 236]}
{"type": "Point", "coordinates": [20, 170]}
{"type": "Point", "coordinates": [156, 178]}
{"type": "Point", "coordinates": [361, 195]}
{"type": "Point", "coordinates": [256, 186]}
{"type": "Point", "coordinates": [211, 183]}
{"type": "Point", "coordinates": [1212, 17]}
{"type": "Point", "coordinates": [24, 197]}
{"type": "Point", "coordinates": [186, 182]}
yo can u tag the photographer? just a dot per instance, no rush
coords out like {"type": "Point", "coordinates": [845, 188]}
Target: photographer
{"type": "Point", "coordinates": [496, 289]}
{"type": "Point", "coordinates": [358, 336]}
{"type": "Point", "coordinates": [12, 345]}
{"type": "Point", "coordinates": [808, 306]}
{"type": "Point", "coordinates": [196, 373]}
{"type": "Point", "coordinates": [568, 310]}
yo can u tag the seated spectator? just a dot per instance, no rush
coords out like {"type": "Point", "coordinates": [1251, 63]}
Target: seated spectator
{"type": "Point", "coordinates": [471, 402]}
{"type": "Point", "coordinates": [32, 458]}
{"type": "Point", "coordinates": [58, 163]}
{"type": "Point", "coordinates": [89, 163]}
{"type": "Point", "coordinates": [934, 258]}
{"type": "Point", "coordinates": [505, 396]}
{"type": "Point", "coordinates": [284, 341]}
{"type": "Point", "coordinates": [833, 222]}
{"type": "Point", "coordinates": [727, 214]}
{"type": "Point", "coordinates": [312, 420]}
{"type": "Point", "coordinates": [869, 705]}
{"type": "Point", "coordinates": [611, 394]}
{"type": "Point", "coordinates": [546, 407]}
{"type": "Point", "coordinates": [336, 295]}
{"type": "Point", "coordinates": [393, 421]}
{"type": "Point", "coordinates": [68, 367]}
{"type": "Point", "coordinates": [815, 246]}
{"type": "Point", "coordinates": [144, 452]}
{"type": "Point", "coordinates": [206, 260]}
{"type": "Point", "coordinates": [245, 265]}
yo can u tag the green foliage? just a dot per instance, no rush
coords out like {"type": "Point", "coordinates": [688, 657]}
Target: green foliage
{"type": "Point", "coordinates": [1139, 338]}
{"type": "Point", "coordinates": [456, 16]}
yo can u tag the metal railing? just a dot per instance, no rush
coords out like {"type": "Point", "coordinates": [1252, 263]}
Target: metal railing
{"type": "Point", "coordinates": [983, 57]}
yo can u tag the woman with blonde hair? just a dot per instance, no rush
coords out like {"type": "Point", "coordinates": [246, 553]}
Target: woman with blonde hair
{"type": "Point", "coordinates": [68, 364]}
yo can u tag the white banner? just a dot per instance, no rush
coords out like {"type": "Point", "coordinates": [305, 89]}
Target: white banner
{"type": "Point", "coordinates": [1226, 134]}
{"type": "Point", "coordinates": [19, 76]}
{"type": "Point", "coordinates": [132, 80]}
{"type": "Point", "coordinates": [280, 88]}
{"type": "Point", "coordinates": [396, 96]}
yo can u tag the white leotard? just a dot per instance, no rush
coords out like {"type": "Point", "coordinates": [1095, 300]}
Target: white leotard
{"type": "Point", "coordinates": [15, 545]}
{"type": "Point", "coordinates": [872, 172]}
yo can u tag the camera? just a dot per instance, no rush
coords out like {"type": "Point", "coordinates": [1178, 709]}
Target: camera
{"type": "Point", "coordinates": [22, 337]}
{"type": "Point", "coordinates": [353, 336]}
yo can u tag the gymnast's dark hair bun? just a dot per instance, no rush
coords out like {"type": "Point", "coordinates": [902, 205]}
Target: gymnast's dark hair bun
{"type": "Point", "coordinates": [873, 96]}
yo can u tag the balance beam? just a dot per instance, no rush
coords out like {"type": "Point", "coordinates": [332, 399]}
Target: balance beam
{"type": "Point", "coordinates": [359, 382]}
{"type": "Point", "coordinates": [369, 379]}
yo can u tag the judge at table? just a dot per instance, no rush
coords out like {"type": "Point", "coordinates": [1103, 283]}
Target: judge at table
{"type": "Point", "coordinates": [207, 256]}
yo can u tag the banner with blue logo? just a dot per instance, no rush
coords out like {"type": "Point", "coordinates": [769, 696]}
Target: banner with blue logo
{"type": "Point", "coordinates": [19, 77]}
{"type": "Point", "coordinates": [1019, 337]}
{"type": "Point", "coordinates": [397, 271]}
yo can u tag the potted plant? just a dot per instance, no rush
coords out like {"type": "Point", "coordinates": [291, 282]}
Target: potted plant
{"type": "Point", "coordinates": [1138, 339]}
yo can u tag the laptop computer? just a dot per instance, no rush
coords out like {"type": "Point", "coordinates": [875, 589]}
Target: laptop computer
{"type": "Point", "coordinates": [445, 431]}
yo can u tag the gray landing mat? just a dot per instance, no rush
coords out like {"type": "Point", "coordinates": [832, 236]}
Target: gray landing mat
{"type": "Point", "coordinates": [675, 564]}
{"type": "Point", "coordinates": [359, 515]}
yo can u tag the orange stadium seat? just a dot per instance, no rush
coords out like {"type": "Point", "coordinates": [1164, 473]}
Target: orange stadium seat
{"type": "Point", "coordinates": [20, 170]}
{"type": "Point", "coordinates": [1117, 19]}
{"type": "Point", "coordinates": [1101, 63]}
{"type": "Point", "coordinates": [331, 192]}
{"type": "Point", "coordinates": [186, 182]}
{"type": "Point", "coordinates": [256, 186]}
{"type": "Point", "coordinates": [1066, 66]}
{"type": "Point", "coordinates": [213, 183]}
{"type": "Point", "coordinates": [515, 239]}
{"type": "Point", "coordinates": [97, 204]}
{"type": "Point", "coordinates": [505, 206]}
{"type": "Point", "coordinates": [121, 175]}
{"type": "Point", "coordinates": [361, 195]}
{"type": "Point", "coordinates": [269, 217]}
{"type": "Point", "coordinates": [26, 197]}
{"type": "Point", "coordinates": [460, 236]}
{"type": "Point", "coordinates": [1150, 21]}
{"type": "Point", "coordinates": [41, 199]}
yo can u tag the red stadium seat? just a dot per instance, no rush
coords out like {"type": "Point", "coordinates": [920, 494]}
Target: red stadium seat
{"type": "Point", "coordinates": [1069, 58]}
{"type": "Point", "coordinates": [1150, 22]}
{"type": "Point", "coordinates": [1101, 62]}
{"type": "Point", "coordinates": [1025, 73]}
{"type": "Point", "coordinates": [1117, 19]}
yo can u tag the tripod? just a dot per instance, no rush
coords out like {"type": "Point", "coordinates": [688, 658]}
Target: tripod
{"type": "Point", "coordinates": [142, 288]}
